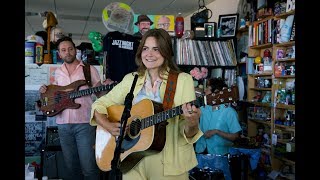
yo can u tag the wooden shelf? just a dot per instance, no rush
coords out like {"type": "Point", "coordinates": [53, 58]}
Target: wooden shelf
{"type": "Point", "coordinates": [286, 44]}
{"type": "Point", "coordinates": [260, 103]}
{"type": "Point", "coordinates": [284, 15]}
{"type": "Point", "coordinates": [283, 141]}
{"type": "Point", "coordinates": [262, 74]}
{"type": "Point", "coordinates": [261, 89]}
{"type": "Point", "coordinates": [285, 106]}
{"type": "Point", "coordinates": [262, 19]}
{"type": "Point", "coordinates": [286, 60]}
{"type": "Point", "coordinates": [288, 128]}
{"type": "Point", "coordinates": [260, 121]}
{"type": "Point", "coordinates": [268, 45]}
{"type": "Point", "coordinates": [285, 77]}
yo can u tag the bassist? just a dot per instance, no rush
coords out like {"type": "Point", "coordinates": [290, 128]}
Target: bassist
{"type": "Point", "coordinates": [77, 137]}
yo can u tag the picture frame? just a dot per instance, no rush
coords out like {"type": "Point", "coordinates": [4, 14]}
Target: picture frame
{"type": "Point", "coordinates": [228, 24]}
{"type": "Point", "coordinates": [210, 29]}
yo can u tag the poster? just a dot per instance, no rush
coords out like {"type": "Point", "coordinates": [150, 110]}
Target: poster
{"type": "Point", "coordinates": [36, 75]}
{"type": "Point", "coordinates": [153, 21]}
{"type": "Point", "coordinates": [34, 137]}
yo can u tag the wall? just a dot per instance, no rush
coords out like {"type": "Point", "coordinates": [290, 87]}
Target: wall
{"type": "Point", "coordinates": [217, 7]}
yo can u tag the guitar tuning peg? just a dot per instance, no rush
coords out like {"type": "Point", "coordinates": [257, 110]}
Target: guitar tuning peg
{"type": "Point", "coordinates": [221, 92]}
{"type": "Point", "coordinates": [230, 98]}
{"type": "Point", "coordinates": [229, 90]}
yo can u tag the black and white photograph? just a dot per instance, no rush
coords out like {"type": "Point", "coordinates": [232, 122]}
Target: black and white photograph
{"type": "Point", "coordinates": [228, 25]}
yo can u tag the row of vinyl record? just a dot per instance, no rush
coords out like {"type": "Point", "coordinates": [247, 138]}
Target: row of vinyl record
{"type": "Point", "coordinates": [205, 53]}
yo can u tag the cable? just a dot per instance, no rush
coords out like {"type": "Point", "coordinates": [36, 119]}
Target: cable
{"type": "Point", "coordinates": [87, 18]}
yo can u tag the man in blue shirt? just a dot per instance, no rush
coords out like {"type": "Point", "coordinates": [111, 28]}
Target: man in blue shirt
{"type": "Point", "coordinates": [220, 124]}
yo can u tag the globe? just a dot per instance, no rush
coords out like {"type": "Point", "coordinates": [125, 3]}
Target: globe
{"type": "Point", "coordinates": [118, 17]}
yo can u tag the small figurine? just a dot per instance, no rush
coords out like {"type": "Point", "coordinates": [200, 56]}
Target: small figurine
{"type": "Point", "coordinates": [266, 139]}
{"type": "Point", "coordinates": [267, 97]}
{"type": "Point", "coordinates": [257, 97]}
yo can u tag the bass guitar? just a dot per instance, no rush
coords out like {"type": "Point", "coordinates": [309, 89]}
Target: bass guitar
{"type": "Point", "coordinates": [58, 98]}
{"type": "Point", "coordinates": [146, 132]}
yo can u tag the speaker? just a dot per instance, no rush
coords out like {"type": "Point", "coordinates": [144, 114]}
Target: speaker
{"type": "Point", "coordinates": [53, 165]}
{"type": "Point", "coordinates": [52, 139]}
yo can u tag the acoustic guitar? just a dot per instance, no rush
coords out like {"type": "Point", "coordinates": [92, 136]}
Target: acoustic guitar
{"type": "Point", "coordinates": [58, 98]}
{"type": "Point", "coordinates": [146, 133]}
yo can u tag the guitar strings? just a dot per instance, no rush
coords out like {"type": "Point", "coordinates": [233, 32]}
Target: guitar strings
{"type": "Point", "coordinates": [68, 93]}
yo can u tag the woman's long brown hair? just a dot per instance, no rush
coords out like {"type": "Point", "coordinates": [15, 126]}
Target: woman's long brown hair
{"type": "Point", "coordinates": [164, 42]}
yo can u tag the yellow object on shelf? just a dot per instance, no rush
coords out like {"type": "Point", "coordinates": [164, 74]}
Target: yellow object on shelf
{"type": "Point", "coordinates": [257, 60]}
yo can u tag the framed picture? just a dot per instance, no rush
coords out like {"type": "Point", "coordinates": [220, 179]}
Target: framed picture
{"type": "Point", "coordinates": [210, 29]}
{"type": "Point", "coordinates": [228, 24]}
{"type": "Point", "coordinates": [165, 22]}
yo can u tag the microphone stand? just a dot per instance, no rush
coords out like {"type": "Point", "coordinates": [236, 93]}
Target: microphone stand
{"type": "Point", "coordinates": [115, 173]}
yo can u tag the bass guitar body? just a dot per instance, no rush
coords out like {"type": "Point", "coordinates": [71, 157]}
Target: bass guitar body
{"type": "Point", "coordinates": [57, 98]}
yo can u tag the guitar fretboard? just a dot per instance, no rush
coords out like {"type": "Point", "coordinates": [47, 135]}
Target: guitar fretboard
{"type": "Point", "coordinates": [164, 115]}
{"type": "Point", "coordinates": [224, 96]}
{"type": "Point", "coordinates": [88, 91]}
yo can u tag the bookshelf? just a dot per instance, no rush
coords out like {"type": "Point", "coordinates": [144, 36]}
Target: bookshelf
{"type": "Point", "coordinates": [277, 112]}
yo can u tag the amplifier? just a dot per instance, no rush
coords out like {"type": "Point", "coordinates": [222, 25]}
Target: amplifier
{"type": "Point", "coordinates": [52, 139]}
{"type": "Point", "coordinates": [53, 165]}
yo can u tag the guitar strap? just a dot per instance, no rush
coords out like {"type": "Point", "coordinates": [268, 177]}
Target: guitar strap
{"type": "Point", "coordinates": [87, 73]}
{"type": "Point", "coordinates": [170, 90]}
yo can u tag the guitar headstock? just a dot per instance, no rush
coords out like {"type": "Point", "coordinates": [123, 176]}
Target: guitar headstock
{"type": "Point", "coordinates": [226, 95]}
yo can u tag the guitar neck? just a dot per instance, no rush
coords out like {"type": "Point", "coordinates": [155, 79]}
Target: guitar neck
{"type": "Point", "coordinates": [163, 116]}
{"type": "Point", "coordinates": [226, 95]}
{"type": "Point", "coordinates": [92, 90]}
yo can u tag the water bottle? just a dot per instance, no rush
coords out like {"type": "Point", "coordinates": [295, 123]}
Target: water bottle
{"type": "Point", "coordinates": [179, 26]}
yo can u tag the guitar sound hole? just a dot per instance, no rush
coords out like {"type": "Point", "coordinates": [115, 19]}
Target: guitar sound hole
{"type": "Point", "coordinates": [135, 128]}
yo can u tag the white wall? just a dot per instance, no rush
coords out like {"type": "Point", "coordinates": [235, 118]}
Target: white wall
{"type": "Point", "coordinates": [218, 7]}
